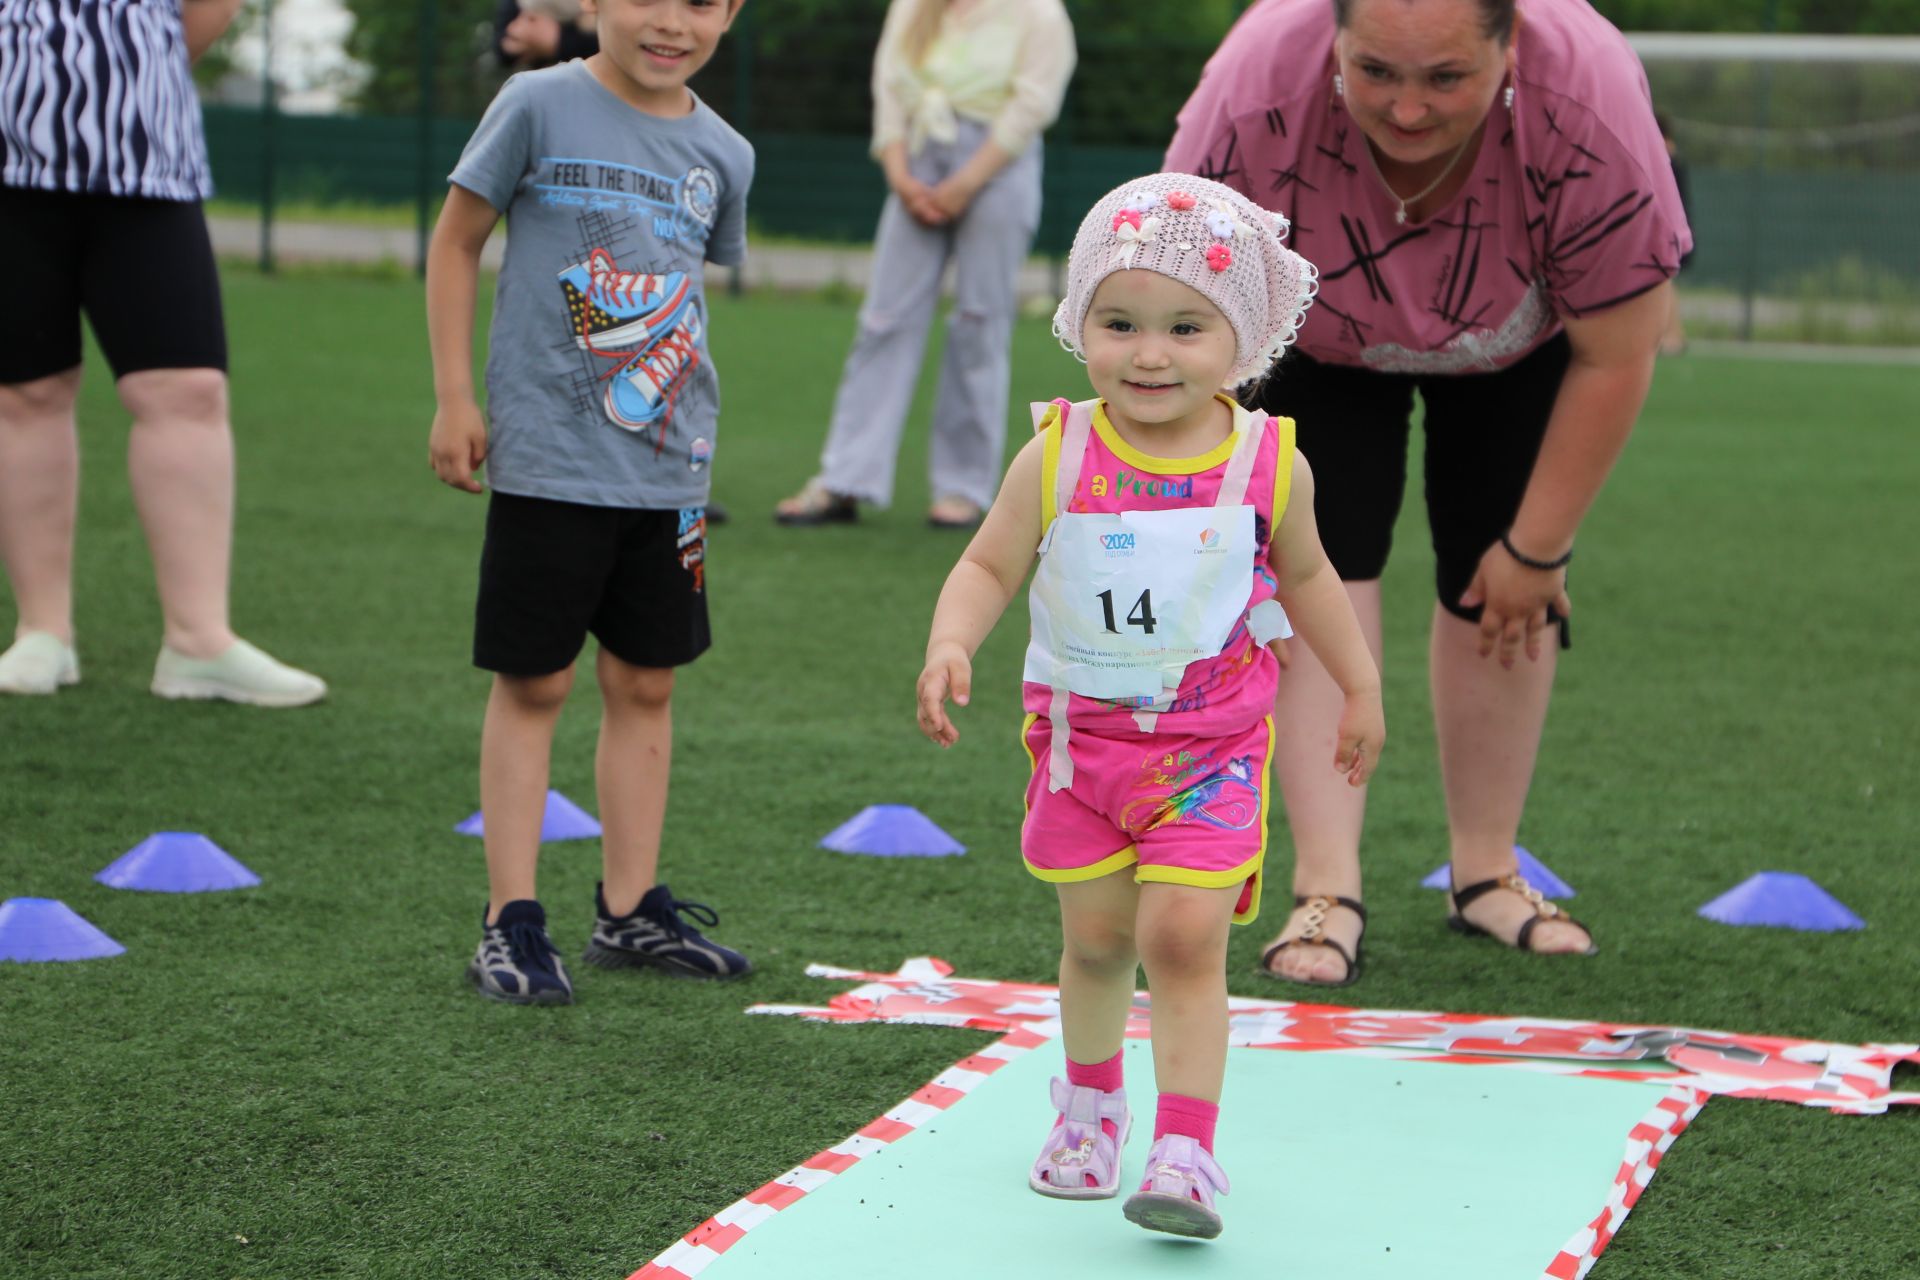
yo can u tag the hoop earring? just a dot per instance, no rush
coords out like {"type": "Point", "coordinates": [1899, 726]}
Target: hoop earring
{"type": "Point", "coordinates": [1507, 99]}
{"type": "Point", "coordinates": [1340, 85]}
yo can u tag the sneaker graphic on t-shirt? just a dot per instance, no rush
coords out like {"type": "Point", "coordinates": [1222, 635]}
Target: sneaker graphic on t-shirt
{"type": "Point", "coordinates": [612, 310]}
{"type": "Point", "coordinates": [644, 389]}
{"type": "Point", "coordinates": [647, 323]}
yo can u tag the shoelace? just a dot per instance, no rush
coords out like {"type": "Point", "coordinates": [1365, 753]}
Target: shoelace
{"type": "Point", "coordinates": [678, 353]}
{"type": "Point", "coordinates": [674, 919]}
{"type": "Point", "coordinates": [529, 945]}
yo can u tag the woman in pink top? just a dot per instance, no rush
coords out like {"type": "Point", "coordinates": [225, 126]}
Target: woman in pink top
{"type": "Point", "coordinates": [1485, 192]}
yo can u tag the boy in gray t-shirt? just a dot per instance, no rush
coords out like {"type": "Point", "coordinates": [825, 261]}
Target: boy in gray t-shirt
{"type": "Point", "coordinates": [602, 413]}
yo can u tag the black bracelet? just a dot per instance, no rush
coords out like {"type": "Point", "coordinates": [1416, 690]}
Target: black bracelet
{"type": "Point", "coordinates": [1530, 562]}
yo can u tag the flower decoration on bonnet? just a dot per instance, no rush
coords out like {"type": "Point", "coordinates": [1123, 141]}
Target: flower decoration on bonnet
{"type": "Point", "coordinates": [1208, 237]}
{"type": "Point", "coordinates": [1135, 225]}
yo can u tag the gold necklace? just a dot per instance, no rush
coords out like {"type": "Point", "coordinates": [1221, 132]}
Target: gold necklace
{"type": "Point", "coordinates": [1400, 214]}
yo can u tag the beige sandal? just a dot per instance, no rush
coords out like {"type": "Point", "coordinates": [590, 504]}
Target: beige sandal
{"type": "Point", "coordinates": [816, 504]}
{"type": "Point", "coordinates": [954, 513]}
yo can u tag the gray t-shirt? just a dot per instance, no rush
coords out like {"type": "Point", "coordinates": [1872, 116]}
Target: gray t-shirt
{"type": "Point", "coordinates": [600, 389]}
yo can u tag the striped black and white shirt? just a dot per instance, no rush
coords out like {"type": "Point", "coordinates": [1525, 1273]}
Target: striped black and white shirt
{"type": "Point", "coordinates": [96, 97]}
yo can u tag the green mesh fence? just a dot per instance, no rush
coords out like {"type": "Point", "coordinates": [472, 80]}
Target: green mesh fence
{"type": "Point", "coordinates": [813, 186]}
{"type": "Point", "coordinates": [1804, 176]}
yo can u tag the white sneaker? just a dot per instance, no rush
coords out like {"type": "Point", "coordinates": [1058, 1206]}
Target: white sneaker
{"type": "Point", "coordinates": [38, 662]}
{"type": "Point", "coordinates": [241, 674]}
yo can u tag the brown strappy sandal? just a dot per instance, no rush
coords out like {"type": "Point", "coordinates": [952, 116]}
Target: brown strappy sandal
{"type": "Point", "coordinates": [1542, 910]}
{"type": "Point", "coordinates": [1315, 934]}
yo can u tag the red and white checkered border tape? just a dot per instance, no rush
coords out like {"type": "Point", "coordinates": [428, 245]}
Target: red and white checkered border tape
{"type": "Point", "coordinates": [1647, 1144]}
{"type": "Point", "coordinates": [695, 1251]}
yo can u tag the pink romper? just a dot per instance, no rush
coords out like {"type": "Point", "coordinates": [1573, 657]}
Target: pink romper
{"type": "Point", "coordinates": [1185, 801]}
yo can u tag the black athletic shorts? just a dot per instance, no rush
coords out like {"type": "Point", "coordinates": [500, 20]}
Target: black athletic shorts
{"type": "Point", "coordinates": [1483, 432]}
{"type": "Point", "coordinates": [553, 572]}
{"type": "Point", "coordinates": [142, 271]}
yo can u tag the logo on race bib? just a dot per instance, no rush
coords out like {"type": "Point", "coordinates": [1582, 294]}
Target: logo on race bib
{"type": "Point", "coordinates": [1210, 544]}
{"type": "Point", "coordinates": [1117, 544]}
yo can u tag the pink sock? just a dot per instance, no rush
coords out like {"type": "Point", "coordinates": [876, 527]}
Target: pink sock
{"type": "Point", "coordinates": [1104, 1076]}
{"type": "Point", "coordinates": [1190, 1117]}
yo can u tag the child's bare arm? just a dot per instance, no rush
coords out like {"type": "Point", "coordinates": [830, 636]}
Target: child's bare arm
{"type": "Point", "coordinates": [457, 444]}
{"type": "Point", "coordinates": [977, 592]}
{"type": "Point", "coordinates": [1317, 605]}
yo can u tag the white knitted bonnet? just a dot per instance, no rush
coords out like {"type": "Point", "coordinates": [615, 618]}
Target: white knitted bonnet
{"type": "Point", "coordinates": [1208, 237]}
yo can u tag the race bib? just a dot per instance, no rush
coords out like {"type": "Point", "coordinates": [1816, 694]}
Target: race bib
{"type": "Point", "coordinates": [1121, 603]}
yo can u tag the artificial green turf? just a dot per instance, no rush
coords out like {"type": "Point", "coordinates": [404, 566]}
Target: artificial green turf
{"type": "Point", "coordinates": [294, 1080]}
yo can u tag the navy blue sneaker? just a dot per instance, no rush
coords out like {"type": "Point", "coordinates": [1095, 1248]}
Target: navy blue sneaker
{"type": "Point", "coordinates": [516, 961]}
{"type": "Point", "coordinates": [658, 936]}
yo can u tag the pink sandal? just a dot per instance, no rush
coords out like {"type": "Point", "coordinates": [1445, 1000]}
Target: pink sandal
{"type": "Point", "coordinates": [1081, 1160]}
{"type": "Point", "coordinates": [1177, 1196]}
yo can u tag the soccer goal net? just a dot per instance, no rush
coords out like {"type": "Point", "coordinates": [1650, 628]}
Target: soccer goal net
{"type": "Point", "coordinates": [1801, 164]}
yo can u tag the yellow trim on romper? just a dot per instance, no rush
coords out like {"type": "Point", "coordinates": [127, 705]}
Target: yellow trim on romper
{"type": "Point", "coordinates": [1168, 466]}
{"type": "Point", "coordinates": [1105, 867]}
{"type": "Point", "coordinates": [1052, 428]}
{"type": "Point", "coordinates": [1234, 875]}
{"type": "Point", "coordinates": [1282, 470]}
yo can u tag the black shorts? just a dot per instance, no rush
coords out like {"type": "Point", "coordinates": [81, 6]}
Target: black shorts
{"type": "Point", "coordinates": [551, 572]}
{"type": "Point", "coordinates": [1483, 433]}
{"type": "Point", "coordinates": [142, 271]}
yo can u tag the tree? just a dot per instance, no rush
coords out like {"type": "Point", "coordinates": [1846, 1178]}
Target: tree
{"type": "Point", "coordinates": [386, 38]}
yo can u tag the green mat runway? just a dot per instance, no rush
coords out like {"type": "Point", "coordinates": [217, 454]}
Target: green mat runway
{"type": "Point", "coordinates": [1342, 1165]}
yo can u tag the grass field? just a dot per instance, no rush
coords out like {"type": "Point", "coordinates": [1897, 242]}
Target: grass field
{"type": "Point", "coordinates": [295, 1081]}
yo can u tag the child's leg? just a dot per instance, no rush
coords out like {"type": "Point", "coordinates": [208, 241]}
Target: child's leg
{"type": "Point", "coordinates": [1080, 1159]}
{"type": "Point", "coordinates": [516, 744]}
{"type": "Point", "coordinates": [1182, 934]}
{"type": "Point", "coordinates": [630, 769]}
{"type": "Point", "coordinates": [1098, 964]}
{"type": "Point", "coordinates": [1183, 944]}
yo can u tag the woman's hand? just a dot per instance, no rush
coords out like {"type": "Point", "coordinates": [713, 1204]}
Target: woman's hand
{"type": "Point", "coordinates": [948, 674]}
{"type": "Point", "coordinates": [952, 196]}
{"type": "Point", "coordinates": [915, 196]}
{"type": "Point", "coordinates": [1513, 601]}
{"type": "Point", "coordinates": [1600, 396]}
{"type": "Point", "coordinates": [531, 37]}
{"type": "Point", "coordinates": [918, 199]}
